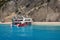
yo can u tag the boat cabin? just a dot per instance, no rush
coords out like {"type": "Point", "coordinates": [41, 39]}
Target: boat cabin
{"type": "Point", "coordinates": [21, 21]}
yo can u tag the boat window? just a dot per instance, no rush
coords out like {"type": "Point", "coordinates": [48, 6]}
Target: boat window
{"type": "Point", "coordinates": [27, 19]}
{"type": "Point", "coordinates": [21, 17]}
{"type": "Point", "coordinates": [20, 20]}
{"type": "Point", "coordinates": [15, 20]}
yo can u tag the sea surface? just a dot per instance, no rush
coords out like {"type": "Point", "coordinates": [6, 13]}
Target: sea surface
{"type": "Point", "coordinates": [33, 32]}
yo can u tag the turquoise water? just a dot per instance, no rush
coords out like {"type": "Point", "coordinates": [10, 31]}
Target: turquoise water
{"type": "Point", "coordinates": [34, 32]}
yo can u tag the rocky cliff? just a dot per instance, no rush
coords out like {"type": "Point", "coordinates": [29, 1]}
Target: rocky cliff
{"type": "Point", "coordinates": [38, 10]}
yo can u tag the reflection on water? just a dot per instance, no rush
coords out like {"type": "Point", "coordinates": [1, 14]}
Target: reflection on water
{"type": "Point", "coordinates": [22, 31]}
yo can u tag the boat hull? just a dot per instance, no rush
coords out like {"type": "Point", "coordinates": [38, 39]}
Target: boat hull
{"type": "Point", "coordinates": [22, 24]}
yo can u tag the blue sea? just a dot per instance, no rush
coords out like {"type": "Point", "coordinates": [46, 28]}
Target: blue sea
{"type": "Point", "coordinates": [33, 32]}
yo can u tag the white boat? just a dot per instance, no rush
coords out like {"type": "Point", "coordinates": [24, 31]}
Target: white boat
{"type": "Point", "coordinates": [21, 21]}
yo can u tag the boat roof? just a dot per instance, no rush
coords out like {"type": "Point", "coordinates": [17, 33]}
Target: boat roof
{"type": "Point", "coordinates": [20, 17]}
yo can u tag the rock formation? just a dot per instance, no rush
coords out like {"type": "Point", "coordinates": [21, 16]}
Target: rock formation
{"type": "Point", "coordinates": [38, 10]}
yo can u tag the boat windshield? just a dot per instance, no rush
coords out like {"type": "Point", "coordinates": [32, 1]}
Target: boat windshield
{"type": "Point", "coordinates": [27, 19]}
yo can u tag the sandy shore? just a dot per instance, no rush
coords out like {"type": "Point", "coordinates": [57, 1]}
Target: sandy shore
{"type": "Point", "coordinates": [46, 23]}
{"type": "Point", "coordinates": [6, 23]}
{"type": "Point", "coordinates": [38, 23]}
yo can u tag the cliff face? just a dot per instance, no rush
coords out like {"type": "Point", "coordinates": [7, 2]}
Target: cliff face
{"type": "Point", "coordinates": [39, 10]}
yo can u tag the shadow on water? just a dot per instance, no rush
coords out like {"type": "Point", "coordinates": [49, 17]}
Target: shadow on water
{"type": "Point", "coordinates": [22, 31]}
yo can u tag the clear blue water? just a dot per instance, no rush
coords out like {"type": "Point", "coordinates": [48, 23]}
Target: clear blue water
{"type": "Point", "coordinates": [33, 32]}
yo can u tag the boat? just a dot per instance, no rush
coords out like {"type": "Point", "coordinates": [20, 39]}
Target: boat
{"type": "Point", "coordinates": [21, 21]}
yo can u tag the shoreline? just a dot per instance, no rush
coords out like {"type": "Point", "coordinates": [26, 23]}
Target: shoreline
{"type": "Point", "coordinates": [47, 23]}
{"type": "Point", "coordinates": [6, 23]}
{"type": "Point", "coordinates": [38, 23]}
